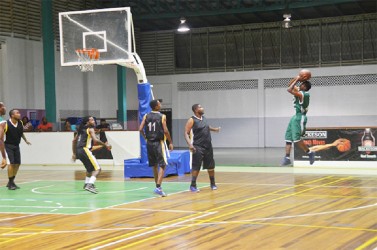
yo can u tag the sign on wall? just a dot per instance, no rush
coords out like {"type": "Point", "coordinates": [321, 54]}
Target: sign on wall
{"type": "Point", "coordinates": [340, 144]}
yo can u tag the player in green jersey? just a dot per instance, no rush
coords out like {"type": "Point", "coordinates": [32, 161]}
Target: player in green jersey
{"type": "Point", "coordinates": [298, 87]}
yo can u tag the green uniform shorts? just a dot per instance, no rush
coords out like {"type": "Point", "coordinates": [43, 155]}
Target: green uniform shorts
{"type": "Point", "coordinates": [296, 128]}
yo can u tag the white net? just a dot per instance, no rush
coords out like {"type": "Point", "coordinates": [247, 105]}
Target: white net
{"type": "Point", "coordinates": [86, 58]}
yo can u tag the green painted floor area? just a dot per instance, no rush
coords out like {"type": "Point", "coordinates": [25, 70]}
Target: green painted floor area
{"type": "Point", "coordinates": [69, 197]}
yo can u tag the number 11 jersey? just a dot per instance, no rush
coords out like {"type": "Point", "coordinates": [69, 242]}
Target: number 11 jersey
{"type": "Point", "coordinates": [153, 126]}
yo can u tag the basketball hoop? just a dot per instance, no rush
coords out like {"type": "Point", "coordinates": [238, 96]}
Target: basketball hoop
{"type": "Point", "coordinates": [86, 58]}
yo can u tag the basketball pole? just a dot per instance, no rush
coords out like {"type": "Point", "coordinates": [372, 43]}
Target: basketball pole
{"type": "Point", "coordinates": [145, 93]}
{"type": "Point", "coordinates": [136, 64]}
{"type": "Point", "coordinates": [49, 61]}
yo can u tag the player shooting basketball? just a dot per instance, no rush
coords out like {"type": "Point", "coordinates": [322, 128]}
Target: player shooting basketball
{"type": "Point", "coordinates": [298, 87]}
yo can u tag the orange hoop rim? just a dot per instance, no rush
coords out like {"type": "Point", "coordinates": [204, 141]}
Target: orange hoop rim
{"type": "Point", "coordinates": [92, 54]}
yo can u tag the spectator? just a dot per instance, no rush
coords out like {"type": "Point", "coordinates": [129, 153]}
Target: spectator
{"type": "Point", "coordinates": [67, 125]}
{"type": "Point", "coordinates": [103, 126]}
{"type": "Point", "coordinates": [27, 124]}
{"type": "Point", "coordinates": [45, 126]}
{"type": "Point", "coordinates": [103, 153]}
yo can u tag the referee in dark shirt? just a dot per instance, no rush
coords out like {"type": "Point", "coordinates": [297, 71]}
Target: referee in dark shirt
{"type": "Point", "coordinates": [14, 131]}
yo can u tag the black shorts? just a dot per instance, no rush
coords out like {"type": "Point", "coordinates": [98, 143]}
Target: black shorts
{"type": "Point", "coordinates": [14, 154]}
{"type": "Point", "coordinates": [202, 155]}
{"type": "Point", "coordinates": [157, 153]}
{"type": "Point", "coordinates": [88, 159]}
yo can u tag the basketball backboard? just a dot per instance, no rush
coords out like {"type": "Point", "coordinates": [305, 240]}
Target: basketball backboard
{"type": "Point", "coordinates": [107, 30]}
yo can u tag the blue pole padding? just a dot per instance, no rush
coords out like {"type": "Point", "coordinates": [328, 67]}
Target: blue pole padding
{"type": "Point", "coordinates": [145, 96]}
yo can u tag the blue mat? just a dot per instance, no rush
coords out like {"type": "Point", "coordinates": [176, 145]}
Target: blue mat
{"type": "Point", "coordinates": [178, 164]}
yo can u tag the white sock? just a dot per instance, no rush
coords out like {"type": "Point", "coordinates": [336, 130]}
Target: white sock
{"type": "Point", "coordinates": [92, 179]}
{"type": "Point", "coordinates": [87, 180]}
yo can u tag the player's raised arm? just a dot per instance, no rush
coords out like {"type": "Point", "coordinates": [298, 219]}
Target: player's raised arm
{"type": "Point", "coordinates": [304, 75]}
{"type": "Point", "coordinates": [188, 128]}
{"type": "Point", "coordinates": [293, 89]}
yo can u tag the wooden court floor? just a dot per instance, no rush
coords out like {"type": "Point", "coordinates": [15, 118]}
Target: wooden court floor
{"type": "Point", "coordinates": [248, 211]}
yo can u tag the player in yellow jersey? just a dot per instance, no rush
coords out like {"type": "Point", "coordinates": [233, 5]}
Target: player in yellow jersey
{"type": "Point", "coordinates": [81, 149]}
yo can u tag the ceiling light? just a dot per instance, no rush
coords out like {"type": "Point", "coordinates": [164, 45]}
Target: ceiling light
{"type": "Point", "coordinates": [287, 21]}
{"type": "Point", "coordinates": [183, 27]}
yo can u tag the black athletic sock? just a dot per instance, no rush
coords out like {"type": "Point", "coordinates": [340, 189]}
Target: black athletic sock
{"type": "Point", "coordinates": [212, 179]}
{"type": "Point", "coordinates": [193, 181]}
{"type": "Point", "coordinates": [11, 179]}
{"type": "Point", "coordinates": [158, 185]}
{"type": "Point", "coordinates": [287, 155]}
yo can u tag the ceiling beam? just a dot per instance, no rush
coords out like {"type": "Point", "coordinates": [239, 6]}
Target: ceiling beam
{"type": "Point", "coordinates": [279, 6]}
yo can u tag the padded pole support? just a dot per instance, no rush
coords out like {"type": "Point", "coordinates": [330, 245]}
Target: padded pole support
{"type": "Point", "coordinates": [144, 96]}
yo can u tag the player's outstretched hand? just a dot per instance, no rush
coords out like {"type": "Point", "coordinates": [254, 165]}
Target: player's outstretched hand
{"type": "Point", "coordinates": [171, 147]}
{"type": "Point", "coordinates": [28, 143]}
{"type": "Point", "coordinates": [3, 163]}
{"type": "Point", "coordinates": [109, 147]}
{"type": "Point", "coordinates": [73, 157]}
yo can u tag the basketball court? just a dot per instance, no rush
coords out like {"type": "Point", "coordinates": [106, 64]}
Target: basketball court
{"type": "Point", "coordinates": [258, 203]}
{"type": "Point", "coordinates": [253, 210]}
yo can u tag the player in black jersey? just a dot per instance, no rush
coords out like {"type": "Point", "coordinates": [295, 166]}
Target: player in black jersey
{"type": "Point", "coordinates": [198, 138]}
{"type": "Point", "coordinates": [81, 149]}
{"type": "Point", "coordinates": [2, 127]}
{"type": "Point", "coordinates": [14, 131]}
{"type": "Point", "coordinates": [155, 132]}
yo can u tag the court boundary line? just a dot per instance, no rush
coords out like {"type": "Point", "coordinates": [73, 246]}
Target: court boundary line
{"type": "Point", "coordinates": [306, 215]}
{"type": "Point", "coordinates": [77, 231]}
{"type": "Point", "coordinates": [22, 237]}
{"type": "Point", "coordinates": [19, 217]}
{"type": "Point", "coordinates": [288, 185]}
{"type": "Point", "coordinates": [367, 244]}
{"type": "Point", "coordinates": [74, 193]}
{"type": "Point", "coordinates": [152, 210]}
{"type": "Point", "coordinates": [293, 225]}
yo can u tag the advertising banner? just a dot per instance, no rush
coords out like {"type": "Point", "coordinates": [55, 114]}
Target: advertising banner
{"type": "Point", "coordinates": [340, 144]}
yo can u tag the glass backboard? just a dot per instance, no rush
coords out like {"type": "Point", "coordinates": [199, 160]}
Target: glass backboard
{"type": "Point", "coordinates": [108, 30]}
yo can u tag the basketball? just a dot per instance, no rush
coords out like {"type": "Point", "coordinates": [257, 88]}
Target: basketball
{"type": "Point", "coordinates": [305, 75]}
{"type": "Point", "coordinates": [344, 146]}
